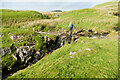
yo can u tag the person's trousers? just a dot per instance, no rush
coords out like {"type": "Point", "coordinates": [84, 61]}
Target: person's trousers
{"type": "Point", "coordinates": [70, 33]}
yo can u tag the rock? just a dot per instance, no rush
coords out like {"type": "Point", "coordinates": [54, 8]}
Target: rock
{"type": "Point", "coordinates": [12, 37]}
{"type": "Point", "coordinates": [11, 44]}
{"type": "Point", "coordinates": [6, 51]}
{"type": "Point", "coordinates": [68, 40]}
{"type": "Point", "coordinates": [76, 40]}
{"type": "Point", "coordinates": [37, 56]}
{"type": "Point", "coordinates": [14, 55]}
{"type": "Point", "coordinates": [48, 39]}
{"type": "Point", "coordinates": [72, 53]}
{"type": "Point", "coordinates": [95, 32]}
{"type": "Point", "coordinates": [45, 38]}
{"type": "Point", "coordinates": [71, 57]}
{"type": "Point", "coordinates": [88, 49]}
{"type": "Point", "coordinates": [80, 34]}
{"type": "Point", "coordinates": [81, 31]}
{"type": "Point", "coordinates": [1, 35]}
{"type": "Point", "coordinates": [28, 59]}
{"type": "Point", "coordinates": [116, 29]}
{"type": "Point", "coordinates": [38, 52]}
{"type": "Point", "coordinates": [16, 37]}
{"type": "Point", "coordinates": [33, 29]}
{"type": "Point", "coordinates": [90, 30]}
{"type": "Point", "coordinates": [57, 15]}
{"type": "Point", "coordinates": [63, 37]}
{"type": "Point", "coordinates": [89, 35]}
{"type": "Point", "coordinates": [82, 41]}
{"type": "Point", "coordinates": [17, 50]}
{"type": "Point", "coordinates": [62, 42]}
{"type": "Point", "coordinates": [94, 37]}
{"type": "Point", "coordinates": [25, 53]}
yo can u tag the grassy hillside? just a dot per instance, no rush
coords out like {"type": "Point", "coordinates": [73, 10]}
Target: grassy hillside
{"type": "Point", "coordinates": [96, 58]}
{"type": "Point", "coordinates": [99, 18]}
{"type": "Point", "coordinates": [100, 62]}
{"type": "Point", "coordinates": [11, 17]}
{"type": "Point", "coordinates": [12, 20]}
{"type": "Point", "coordinates": [93, 18]}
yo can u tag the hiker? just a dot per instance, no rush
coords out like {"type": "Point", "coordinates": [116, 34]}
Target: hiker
{"type": "Point", "coordinates": [70, 28]}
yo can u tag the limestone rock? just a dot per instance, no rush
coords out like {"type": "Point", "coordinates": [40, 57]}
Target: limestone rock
{"type": "Point", "coordinates": [6, 51]}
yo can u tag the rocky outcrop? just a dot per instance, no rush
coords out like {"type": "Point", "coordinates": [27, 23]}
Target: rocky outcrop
{"type": "Point", "coordinates": [15, 37]}
{"type": "Point", "coordinates": [26, 55]}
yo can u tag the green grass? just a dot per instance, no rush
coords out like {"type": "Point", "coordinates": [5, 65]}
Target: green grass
{"type": "Point", "coordinates": [100, 62]}
{"type": "Point", "coordinates": [7, 32]}
{"type": "Point", "coordinates": [98, 20]}
{"type": "Point", "coordinates": [15, 17]}
{"type": "Point", "coordinates": [104, 4]}
{"type": "Point", "coordinates": [8, 61]}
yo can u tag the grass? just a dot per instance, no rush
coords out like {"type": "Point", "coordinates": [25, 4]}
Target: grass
{"type": "Point", "coordinates": [89, 19]}
{"type": "Point", "coordinates": [7, 32]}
{"type": "Point", "coordinates": [99, 18]}
{"type": "Point", "coordinates": [106, 4]}
{"type": "Point", "coordinates": [100, 62]}
{"type": "Point", "coordinates": [7, 63]}
{"type": "Point", "coordinates": [15, 17]}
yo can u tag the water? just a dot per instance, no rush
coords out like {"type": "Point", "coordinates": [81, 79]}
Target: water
{"type": "Point", "coordinates": [49, 6]}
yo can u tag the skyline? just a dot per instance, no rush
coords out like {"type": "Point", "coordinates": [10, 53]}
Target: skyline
{"type": "Point", "coordinates": [49, 6]}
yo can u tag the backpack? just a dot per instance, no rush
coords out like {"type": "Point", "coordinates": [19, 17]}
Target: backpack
{"type": "Point", "coordinates": [71, 26]}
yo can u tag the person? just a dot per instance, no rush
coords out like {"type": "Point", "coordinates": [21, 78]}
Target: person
{"type": "Point", "coordinates": [70, 28]}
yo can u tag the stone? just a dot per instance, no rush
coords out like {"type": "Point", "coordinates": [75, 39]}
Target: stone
{"type": "Point", "coordinates": [82, 41]}
{"type": "Point", "coordinates": [46, 38]}
{"type": "Point", "coordinates": [27, 60]}
{"type": "Point", "coordinates": [14, 55]}
{"type": "Point", "coordinates": [6, 51]}
{"type": "Point", "coordinates": [95, 32]}
{"type": "Point", "coordinates": [12, 37]}
{"type": "Point", "coordinates": [116, 29]}
{"type": "Point", "coordinates": [0, 35]}
{"type": "Point", "coordinates": [72, 53]}
{"type": "Point", "coordinates": [38, 52]}
{"type": "Point", "coordinates": [90, 30]}
{"type": "Point", "coordinates": [11, 44]}
{"type": "Point", "coordinates": [89, 35]}
{"type": "Point", "coordinates": [80, 34]}
{"type": "Point", "coordinates": [57, 15]}
{"type": "Point", "coordinates": [33, 29]}
{"type": "Point", "coordinates": [88, 49]}
{"type": "Point", "coordinates": [25, 53]}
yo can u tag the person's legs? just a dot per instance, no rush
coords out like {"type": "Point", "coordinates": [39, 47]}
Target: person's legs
{"type": "Point", "coordinates": [70, 32]}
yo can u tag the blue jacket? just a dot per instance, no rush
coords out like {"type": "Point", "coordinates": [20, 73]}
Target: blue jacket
{"type": "Point", "coordinates": [71, 25]}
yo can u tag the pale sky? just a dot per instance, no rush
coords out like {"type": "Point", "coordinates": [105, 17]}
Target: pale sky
{"type": "Point", "coordinates": [49, 5]}
{"type": "Point", "coordinates": [55, 0]}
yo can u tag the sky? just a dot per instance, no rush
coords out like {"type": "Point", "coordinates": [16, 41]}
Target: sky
{"type": "Point", "coordinates": [55, 0]}
{"type": "Point", "coordinates": [49, 5]}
